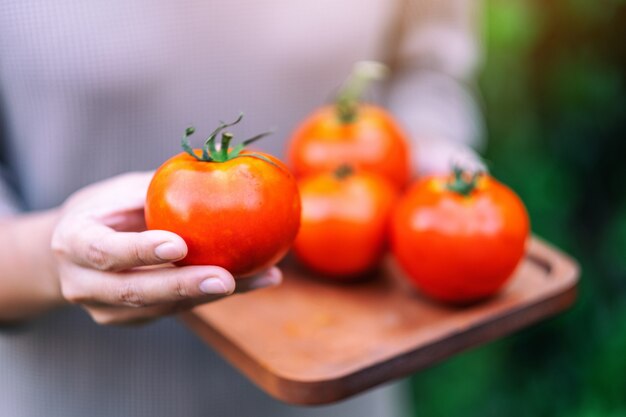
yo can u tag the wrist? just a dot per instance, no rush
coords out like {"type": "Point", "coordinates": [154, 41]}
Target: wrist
{"type": "Point", "coordinates": [29, 280]}
{"type": "Point", "coordinates": [51, 286]}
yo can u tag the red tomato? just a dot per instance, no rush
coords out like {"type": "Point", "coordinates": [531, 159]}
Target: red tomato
{"type": "Point", "coordinates": [459, 238]}
{"type": "Point", "coordinates": [372, 142]}
{"type": "Point", "coordinates": [364, 136]}
{"type": "Point", "coordinates": [238, 210]}
{"type": "Point", "coordinates": [344, 222]}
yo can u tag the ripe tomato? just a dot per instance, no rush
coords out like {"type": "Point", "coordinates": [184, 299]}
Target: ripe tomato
{"type": "Point", "coordinates": [372, 142]}
{"type": "Point", "coordinates": [459, 238]}
{"type": "Point", "coordinates": [235, 209]}
{"type": "Point", "coordinates": [345, 219]}
{"type": "Point", "coordinates": [364, 136]}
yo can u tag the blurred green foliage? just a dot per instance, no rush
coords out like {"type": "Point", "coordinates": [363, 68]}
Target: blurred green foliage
{"type": "Point", "coordinates": [554, 91]}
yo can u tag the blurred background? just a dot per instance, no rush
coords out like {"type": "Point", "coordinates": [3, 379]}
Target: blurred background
{"type": "Point", "coordinates": [554, 91]}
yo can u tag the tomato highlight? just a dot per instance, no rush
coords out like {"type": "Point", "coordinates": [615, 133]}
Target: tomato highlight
{"type": "Point", "coordinates": [234, 208]}
{"type": "Point", "coordinates": [459, 238]}
{"type": "Point", "coordinates": [345, 216]}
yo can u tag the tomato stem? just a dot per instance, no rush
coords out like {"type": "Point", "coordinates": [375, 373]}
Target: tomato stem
{"type": "Point", "coordinates": [463, 181]}
{"type": "Point", "coordinates": [210, 153]}
{"type": "Point", "coordinates": [348, 98]}
{"type": "Point", "coordinates": [343, 171]}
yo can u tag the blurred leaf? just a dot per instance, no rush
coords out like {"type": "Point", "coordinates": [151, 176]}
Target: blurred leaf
{"type": "Point", "coordinates": [554, 93]}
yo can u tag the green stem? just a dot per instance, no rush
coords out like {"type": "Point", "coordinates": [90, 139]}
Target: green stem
{"type": "Point", "coordinates": [463, 182]}
{"type": "Point", "coordinates": [210, 153]}
{"type": "Point", "coordinates": [349, 97]}
{"type": "Point", "coordinates": [226, 138]}
{"type": "Point", "coordinates": [343, 171]}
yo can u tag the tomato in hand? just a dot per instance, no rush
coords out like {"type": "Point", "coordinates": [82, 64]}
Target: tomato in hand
{"type": "Point", "coordinates": [236, 209]}
{"type": "Point", "coordinates": [459, 238]}
{"type": "Point", "coordinates": [361, 135]}
{"type": "Point", "coordinates": [345, 218]}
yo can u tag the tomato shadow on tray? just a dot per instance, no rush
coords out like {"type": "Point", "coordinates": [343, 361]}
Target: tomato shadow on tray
{"type": "Point", "coordinates": [387, 278]}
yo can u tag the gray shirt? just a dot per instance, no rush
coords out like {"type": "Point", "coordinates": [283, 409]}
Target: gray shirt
{"type": "Point", "coordinates": [90, 89]}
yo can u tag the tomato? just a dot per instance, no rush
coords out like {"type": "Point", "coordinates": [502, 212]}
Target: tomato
{"type": "Point", "coordinates": [236, 209]}
{"type": "Point", "coordinates": [372, 142]}
{"type": "Point", "coordinates": [362, 135]}
{"type": "Point", "coordinates": [345, 219]}
{"type": "Point", "coordinates": [459, 238]}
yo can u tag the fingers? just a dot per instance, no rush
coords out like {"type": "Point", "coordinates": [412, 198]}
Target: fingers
{"type": "Point", "coordinates": [131, 220]}
{"type": "Point", "coordinates": [96, 246]}
{"type": "Point", "coordinates": [269, 278]}
{"type": "Point", "coordinates": [115, 315]}
{"type": "Point", "coordinates": [99, 248]}
{"type": "Point", "coordinates": [148, 287]}
{"type": "Point", "coordinates": [123, 192]}
{"type": "Point", "coordinates": [87, 233]}
{"type": "Point", "coordinates": [108, 315]}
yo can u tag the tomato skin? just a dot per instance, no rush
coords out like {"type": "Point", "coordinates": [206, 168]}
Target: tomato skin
{"type": "Point", "coordinates": [455, 248]}
{"type": "Point", "coordinates": [344, 223]}
{"type": "Point", "coordinates": [242, 214]}
{"type": "Point", "coordinates": [373, 142]}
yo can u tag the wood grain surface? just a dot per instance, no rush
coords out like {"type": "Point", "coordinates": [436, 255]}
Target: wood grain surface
{"type": "Point", "coordinates": [309, 341]}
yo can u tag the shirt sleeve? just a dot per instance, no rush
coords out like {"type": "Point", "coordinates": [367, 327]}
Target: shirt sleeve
{"type": "Point", "coordinates": [436, 55]}
{"type": "Point", "coordinates": [8, 201]}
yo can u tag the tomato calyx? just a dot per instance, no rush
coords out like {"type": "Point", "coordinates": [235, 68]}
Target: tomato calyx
{"type": "Point", "coordinates": [349, 96]}
{"type": "Point", "coordinates": [210, 151]}
{"type": "Point", "coordinates": [463, 182]}
{"type": "Point", "coordinates": [343, 171]}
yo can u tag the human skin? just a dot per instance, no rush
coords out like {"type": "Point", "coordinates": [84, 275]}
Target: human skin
{"type": "Point", "coordinates": [94, 251]}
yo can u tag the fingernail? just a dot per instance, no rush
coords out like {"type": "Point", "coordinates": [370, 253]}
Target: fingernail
{"type": "Point", "coordinates": [213, 286]}
{"type": "Point", "coordinates": [168, 251]}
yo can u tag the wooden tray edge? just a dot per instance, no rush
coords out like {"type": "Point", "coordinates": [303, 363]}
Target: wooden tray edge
{"type": "Point", "coordinates": [325, 391]}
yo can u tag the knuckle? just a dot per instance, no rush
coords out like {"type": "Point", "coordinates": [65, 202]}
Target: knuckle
{"type": "Point", "coordinates": [98, 257]}
{"type": "Point", "coordinates": [72, 293]}
{"type": "Point", "coordinates": [180, 290]}
{"type": "Point", "coordinates": [141, 255]}
{"type": "Point", "coordinates": [58, 244]}
{"type": "Point", "coordinates": [130, 295]}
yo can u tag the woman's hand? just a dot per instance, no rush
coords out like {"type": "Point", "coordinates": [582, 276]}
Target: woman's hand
{"type": "Point", "coordinates": [119, 272]}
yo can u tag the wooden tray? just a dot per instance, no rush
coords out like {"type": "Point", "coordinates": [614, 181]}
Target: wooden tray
{"type": "Point", "coordinates": [311, 342]}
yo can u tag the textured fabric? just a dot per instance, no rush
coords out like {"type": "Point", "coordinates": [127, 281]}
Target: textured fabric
{"type": "Point", "coordinates": [8, 200]}
{"type": "Point", "coordinates": [65, 366]}
{"type": "Point", "coordinates": [91, 89]}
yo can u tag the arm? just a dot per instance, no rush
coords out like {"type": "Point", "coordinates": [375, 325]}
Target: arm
{"type": "Point", "coordinates": [94, 251]}
{"type": "Point", "coordinates": [431, 91]}
{"type": "Point", "coordinates": [27, 285]}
